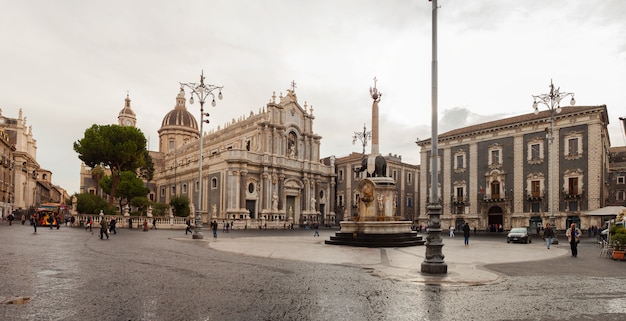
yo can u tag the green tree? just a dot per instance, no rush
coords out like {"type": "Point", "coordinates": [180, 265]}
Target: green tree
{"type": "Point", "coordinates": [105, 184]}
{"type": "Point", "coordinates": [88, 203]}
{"type": "Point", "coordinates": [129, 187]}
{"type": "Point", "coordinates": [147, 170]}
{"type": "Point", "coordinates": [119, 148]}
{"type": "Point", "coordinates": [159, 209]}
{"type": "Point", "coordinates": [180, 205]}
{"type": "Point", "coordinates": [141, 203]}
{"type": "Point", "coordinates": [97, 173]}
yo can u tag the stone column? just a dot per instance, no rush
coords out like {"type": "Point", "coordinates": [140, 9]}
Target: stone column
{"type": "Point", "coordinates": [265, 182]}
{"type": "Point", "coordinates": [424, 171]}
{"type": "Point", "coordinates": [518, 174]}
{"type": "Point", "coordinates": [376, 97]}
{"type": "Point", "coordinates": [232, 190]}
{"type": "Point", "coordinates": [475, 180]}
{"type": "Point", "coordinates": [446, 186]}
{"type": "Point", "coordinates": [281, 192]}
{"type": "Point", "coordinates": [243, 188]}
{"type": "Point", "coordinates": [556, 177]}
{"type": "Point", "coordinates": [595, 155]}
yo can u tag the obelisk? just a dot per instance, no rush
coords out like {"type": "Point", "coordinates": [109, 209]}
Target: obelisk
{"type": "Point", "coordinates": [376, 97]}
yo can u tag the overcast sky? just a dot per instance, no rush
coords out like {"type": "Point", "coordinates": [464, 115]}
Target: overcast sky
{"type": "Point", "coordinates": [69, 64]}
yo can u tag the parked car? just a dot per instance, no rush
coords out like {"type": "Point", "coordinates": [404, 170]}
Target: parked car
{"type": "Point", "coordinates": [519, 234]}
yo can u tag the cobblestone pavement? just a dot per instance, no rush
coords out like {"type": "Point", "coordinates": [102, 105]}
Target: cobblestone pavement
{"type": "Point", "coordinates": [70, 274]}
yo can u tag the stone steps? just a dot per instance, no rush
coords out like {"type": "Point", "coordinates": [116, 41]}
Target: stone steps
{"type": "Point", "coordinates": [376, 240]}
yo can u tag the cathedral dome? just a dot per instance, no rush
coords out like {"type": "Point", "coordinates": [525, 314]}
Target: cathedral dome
{"type": "Point", "coordinates": [180, 116]}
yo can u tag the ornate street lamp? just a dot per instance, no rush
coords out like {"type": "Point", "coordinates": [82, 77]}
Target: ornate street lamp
{"type": "Point", "coordinates": [434, 262]}
{"type": "Point", "coordinates": [552, 100]}
{"type": "Point", "coordinates": [363, 136]}
{"type": "Point", "coordinates": [202, 92]}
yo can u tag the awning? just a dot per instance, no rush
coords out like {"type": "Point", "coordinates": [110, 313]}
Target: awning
{"type": "Point", "coordinates": [607, 211]}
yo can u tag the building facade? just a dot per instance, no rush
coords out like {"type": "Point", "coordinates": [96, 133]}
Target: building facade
{"type": "Point", "coordinates": [262, 169]}
{"type": "Point", "coordinates": [496, 175]}
{"type": "Point", "coordinates": [7, 175]}
{"type": "Point", "coordinates": [617, 177]}
{"type": "Point", "coordinates": [24, 184]}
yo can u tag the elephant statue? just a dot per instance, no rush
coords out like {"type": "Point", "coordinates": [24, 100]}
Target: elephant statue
{"type": "Point", "coordinates": [380, 166]}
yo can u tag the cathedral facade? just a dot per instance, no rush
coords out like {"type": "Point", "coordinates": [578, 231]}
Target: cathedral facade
{"type": "Point", "coordinates": [260, 169]}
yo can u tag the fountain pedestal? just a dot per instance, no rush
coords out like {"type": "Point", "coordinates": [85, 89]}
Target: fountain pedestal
{"type": "Point", "coordinates": [377, 223]}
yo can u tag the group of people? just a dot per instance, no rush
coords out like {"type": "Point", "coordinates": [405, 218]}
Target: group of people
{"type": "Point", "coordinates": [106, 226]}
{"type": "Point", "coordinates": [593, 231]}
{"type": "Point", "coordinates": [419, 228]}
{"type": "Point", "coordinates": [573, 237]}
{"type": "Point", "coordinates": [572, 233]}
{"type": "Point", "coordinates": [35, 220]}
{"type": "Point", "coordinates": [226, 226]}
{"type": "Point", "coordinates": [466, 233]}
{"type": "Point", "coordinates": [144, 225]}
{"type": "Point", "coordinates": [11, 218]}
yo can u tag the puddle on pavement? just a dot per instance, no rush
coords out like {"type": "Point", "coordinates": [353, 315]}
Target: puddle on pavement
{"type": "Point", "coordinates": [17, 300]}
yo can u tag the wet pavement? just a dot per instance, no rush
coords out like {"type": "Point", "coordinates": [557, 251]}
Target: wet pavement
{"type": "Point", "coordinates": [70, 274]}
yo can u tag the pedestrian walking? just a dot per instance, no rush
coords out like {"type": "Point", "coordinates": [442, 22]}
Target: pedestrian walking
{"type": "Point", "coordinates": [214, 228]}
{"type": "Point", "coordinates": [58, 219]}
{"type": "Point", "coordinates": [112, 225]}
{"type": "Point", "coordinates": [50, 220]}
{"type": "Point", "coordinates": [317, 229]}
{"type": "Point", "coordinates": [145, 225]}
{"type": "Point", "coordinates": [154, 224]}
{"type": "Point", "coordinates": [104, 228]}
{"type": "Point", "coordinates": [548, 234]}
{"type": "Point", "coordinates": [188, 229]}
{"type": "Point", "coordinates": [130, 223]}
{"type": "Point", "coordinates": [10, 218]}
{"type": "Point", "coordinates": [89, 222]}
{"type": "Point", "coordinates": [573, 236]}
{"type": "Point", "coordinates": [23, 219]}
{"type": "Point", "coordinates": [33, 221]}
{"type": "Point", "coordinates": [451, 231]}
{"type": "Point", "coordinates": [466, 233]}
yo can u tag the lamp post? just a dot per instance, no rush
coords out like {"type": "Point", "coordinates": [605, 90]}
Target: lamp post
{"type": "Point", "coordinates": [363, 136]}
{"type": "Point", "coordinates": [552, 100]}
{"type": "Point", "coordinates": [434, 262]}
{"type": "Point", "coordinates": [202, 92]}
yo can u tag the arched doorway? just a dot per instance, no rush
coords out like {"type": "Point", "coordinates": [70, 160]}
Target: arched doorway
{"type": "Point", "coordinates": [572, 219]}
{"type": "Point", "coordinates": [495, 219]}
{"type": "Point", "coordinates": [535, 224]}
